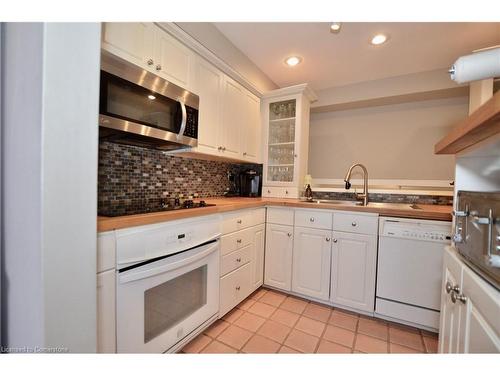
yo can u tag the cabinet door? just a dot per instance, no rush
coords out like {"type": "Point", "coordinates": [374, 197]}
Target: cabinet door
{"type": "Point", "coordinates": [251, 128]}
{"type": "Point", "coordinates": [233, 99]}
{"type": "Point", "coordinates": [208, 86]}
{"type": "Point", "coordinates": [132, 41]}
{"type": "Point", "coordinates": [106, 331]}
{"type": "Point", "coordinates": [311, 262]}
{"type": "Point", "coordinates": [354, 259]}
{"type": "Point", "coordinates": [278, 257]}
{"type": "Point", "coordinates": [449, 324]}
{"type": "Point", "coordinates": [173, 59]}
{"type": "Point", "coordinates": [258, 256]}
{"type": "Point", "coordinates": [480, 317]}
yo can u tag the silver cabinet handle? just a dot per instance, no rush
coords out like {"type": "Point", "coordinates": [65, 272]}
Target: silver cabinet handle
{"type": "Point", "coordinates": [238, 240]}
{"type": "Point", "coordinates": [150, 62]}
{"type": "Point", "coordinates": [481, 220]}
{"type": "Point", "coordinates": [335, 240]}
{"type": "Point", "coordinates": [448, 287]}
{"type": "Point", "coordinates": [238, 288]}
{"type": "Point", "coordinates": [289, 234]}
{"type": "Point", "coordinates": [460, 213]}
{"type": "Point", "coordinates": [158, 67]}
{"type": "Point", "coordinates": [458, 297]}
{"type": "Point", "coordinates": [354, 224]}
{"type": "Point", "coordinates": [238, 221]}
{"type": "Point", "coordinates": [311, 220]}
{"type": "Point", "coordinates": [327, 239]}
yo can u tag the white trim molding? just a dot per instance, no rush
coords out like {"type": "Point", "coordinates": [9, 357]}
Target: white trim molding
{"type": "Point", "coordinates": [387, 186]}
{"type": "Point", "coordinates": [190, 42]}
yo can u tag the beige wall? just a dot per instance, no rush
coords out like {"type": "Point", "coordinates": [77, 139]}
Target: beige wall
{"type": "Point", "coordinates": [393, 141]}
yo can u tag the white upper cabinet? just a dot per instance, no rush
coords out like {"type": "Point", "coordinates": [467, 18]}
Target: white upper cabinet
{"type": "Point", "coordinates": [147, 45]}
{"type": "Point", "coordinates": [354, 262]}
{"type": "Point", "coordinates": [251, 131]}
{"type": "Point", "coordinates": [173, 60]}
{"type": "Point", "coordinates": [132, 41]}
{"type": "Point", "coordinates": [311, 262]}
{"type": "Point", "coordinates": [233, 99]}
{"type": "Point", "coordinates": [208, 86]}
{"type": "Point", "coordinates": [229, 114]}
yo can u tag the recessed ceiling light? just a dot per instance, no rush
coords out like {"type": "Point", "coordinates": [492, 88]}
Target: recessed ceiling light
{"type": "Point", "coordinates": [335, 27]}
{"type": "Point", "coordinates": [152, 97]}
{"type": "Point", "coordinates": [293, 60]}
{"type": "Point", "coordinates": [379, 39]}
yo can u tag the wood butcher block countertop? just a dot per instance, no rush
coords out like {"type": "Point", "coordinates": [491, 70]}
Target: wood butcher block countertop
{"type": "Point", "coordinates": [431, 212]}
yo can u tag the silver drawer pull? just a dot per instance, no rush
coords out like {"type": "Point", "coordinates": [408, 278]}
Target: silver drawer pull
{"type": "Point", "coordinates": [458, 297]}
{"type": "Point", "coordinates": [354, 224]}
{"type": "Point", "coordinates": [150, 62]}
{"type": "Point", "coordinates": [335, 240]}
{"type": "Point", "coordinates": [448, 288]}
{"type": "Point", "coordinates": [311, 220]}
{"type": "Point", "coordinates": [327, 239]}
{"type": "Point", "coordinates": [289, 234]}
{"type": "Point", "coordinates": [239, 221]}
{"type": "Point", "coordinates": [238, 288]}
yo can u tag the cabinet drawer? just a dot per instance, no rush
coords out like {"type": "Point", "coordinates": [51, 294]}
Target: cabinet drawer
{"type": "Point", "coordinates": [232, 261]}
{"type": "Point", "coordinates": [234, 288]}
{"type": "Point", "coordinates": [235, 240]}
{"type": "Point", "coordinates": [233, 221]}
{"type": "Point", "coordinates": [282, 216]}
{"type": "Point", "coordinates": [355, 223]}
{"type": "Point", "coordinates": [313, 219]}
{"type": "Point", "coordinates": [280, 192]}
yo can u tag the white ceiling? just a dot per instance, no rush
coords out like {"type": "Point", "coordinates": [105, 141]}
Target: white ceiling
{"type": "Point", "coordinates": [348, 57]}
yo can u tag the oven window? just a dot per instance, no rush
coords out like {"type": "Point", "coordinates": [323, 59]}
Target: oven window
{"type": "Point", "coordinates": [169, 303]}
{"type": "Point", "coordinates": [128, 101]}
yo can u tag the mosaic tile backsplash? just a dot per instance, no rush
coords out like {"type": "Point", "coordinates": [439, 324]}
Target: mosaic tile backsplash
{"type": "Point", "coordinates": [129, 174]}
{"type": "Point", "coordinates": [441, 200]}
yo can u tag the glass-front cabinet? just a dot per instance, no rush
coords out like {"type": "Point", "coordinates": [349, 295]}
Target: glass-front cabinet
{"type": "Point", "coordinates": [286, 119]}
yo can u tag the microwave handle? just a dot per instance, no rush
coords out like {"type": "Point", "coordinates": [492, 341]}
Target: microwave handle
{"type": "Point", "coordinates": [139, 274]}
{"type": "Point", "coordinates": [184, 119]}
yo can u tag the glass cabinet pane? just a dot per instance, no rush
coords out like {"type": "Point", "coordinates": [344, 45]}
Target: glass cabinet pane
{"type": "Point", "coordinates": [281, 141]}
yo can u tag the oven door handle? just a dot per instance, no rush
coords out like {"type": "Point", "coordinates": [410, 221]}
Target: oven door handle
{"type": "Point", "coordinates": [184, 119]}
{"type": "Point", "coordinates": [167, 264]}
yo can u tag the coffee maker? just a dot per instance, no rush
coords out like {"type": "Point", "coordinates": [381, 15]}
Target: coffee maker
{"type": "Point", "coordinates": [250, 183]}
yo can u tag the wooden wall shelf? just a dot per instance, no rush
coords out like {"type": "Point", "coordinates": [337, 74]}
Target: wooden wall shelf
{"type": "Point", "coordinates": [481, 124]}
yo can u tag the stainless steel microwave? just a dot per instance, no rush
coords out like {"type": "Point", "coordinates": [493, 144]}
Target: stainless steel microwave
{"type": "Point", "coordinates": [137, 107]}
{"type": "Point", "coordinates": [477, 232]}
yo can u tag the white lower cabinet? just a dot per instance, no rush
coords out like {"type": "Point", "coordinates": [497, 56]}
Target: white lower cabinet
{"type": "Point", "coordinates": [278, 264]}
{"type": "Point", "coordinates": [106, 314]}
{"type": "Point", "coordinates": [311, 262]}
{"type": "Point", "coordinates": [259, 236]}
{"type": "Point", "coordinates": [470, 311]}
{"type": "Point", "coordinates": [354, 262]}
{"type": "Point", "coordinates": [234, 288]}
{"type": "Point", "coordinates": [242, 256]}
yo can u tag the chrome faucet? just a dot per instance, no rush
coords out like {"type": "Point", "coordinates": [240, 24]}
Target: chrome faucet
{"type": "Point", "coordinates": [347, 179]}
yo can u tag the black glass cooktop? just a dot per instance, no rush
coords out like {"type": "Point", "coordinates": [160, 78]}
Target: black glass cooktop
{"type": "Point", "coordinates": [148, 206]}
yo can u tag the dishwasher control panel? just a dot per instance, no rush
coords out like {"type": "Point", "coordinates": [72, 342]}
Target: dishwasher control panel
{"type": "Point", "coordinates": [414, 229]}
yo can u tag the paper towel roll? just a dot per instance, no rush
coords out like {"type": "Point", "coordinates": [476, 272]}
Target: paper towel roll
{"type": "Point", "coordinates": [479, 65]}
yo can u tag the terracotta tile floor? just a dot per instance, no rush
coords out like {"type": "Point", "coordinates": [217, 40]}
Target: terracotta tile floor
{"type": "Point", "coordinates": [273, 322]}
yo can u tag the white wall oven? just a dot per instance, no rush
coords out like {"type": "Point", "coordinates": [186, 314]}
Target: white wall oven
{"type": "Point", "coordinates": [167, 284]}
